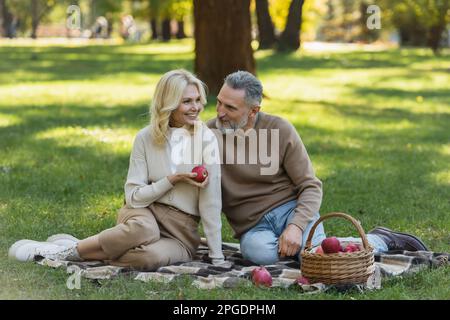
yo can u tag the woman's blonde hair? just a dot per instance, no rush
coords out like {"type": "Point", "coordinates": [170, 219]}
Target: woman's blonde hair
{"type": "Point", "coordinates": [167, 98]}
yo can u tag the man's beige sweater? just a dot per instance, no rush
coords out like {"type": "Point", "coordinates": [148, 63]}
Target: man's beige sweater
{"type": "Point", "coordinates": [147, 180]}
{"type": "Point", "coordinates": [247, 194]}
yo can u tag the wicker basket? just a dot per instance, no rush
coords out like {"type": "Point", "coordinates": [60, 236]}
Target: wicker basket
{"type": "Point", "coordinates": [338, 268]}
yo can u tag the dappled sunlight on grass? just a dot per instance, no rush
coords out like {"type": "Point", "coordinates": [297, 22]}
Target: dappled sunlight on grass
{"type": "Point", "coordinates": [445, 149]}
{"type": "Point", "coordinates": [292, 86]}
{"type": "Point", "coordinates": [117, 140]}
{"type": "Point", "coordinates": [442, 177]}
{"type": "Point", "coordinates": [7, 120]}
{"type": "Point", "coordinates": [78, 93]}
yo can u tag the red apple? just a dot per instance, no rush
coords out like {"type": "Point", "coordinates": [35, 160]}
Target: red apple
{"type": "Point", "coordinates": [302, 280]}
{"type": "Point", "coordinates": [351, 247]}
{"type": "Point", "coordinates": [201, 172]}
{"type": "Point", "coordinates": [319, 250]}
{"type": "Point", "coordinates": [261, 276]}
{"type": "Point", "coordinates": [331, 245]}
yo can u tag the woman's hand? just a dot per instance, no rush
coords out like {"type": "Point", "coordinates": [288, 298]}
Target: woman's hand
{"type": "Point", "coordinates": [187, 178]}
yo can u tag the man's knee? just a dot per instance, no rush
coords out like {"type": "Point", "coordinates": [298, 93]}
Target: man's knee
{"type": "Point", "coordinates": [258, 252]}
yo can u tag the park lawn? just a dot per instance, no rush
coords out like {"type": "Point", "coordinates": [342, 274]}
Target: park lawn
{"type": "Point", "coordinates": [375, 123]}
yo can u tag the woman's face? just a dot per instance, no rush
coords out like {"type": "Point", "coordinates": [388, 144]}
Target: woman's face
{"type": "Point", "coordinates": [189, 108]}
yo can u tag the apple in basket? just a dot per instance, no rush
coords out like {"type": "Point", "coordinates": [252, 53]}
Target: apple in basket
{"type": "Point", "coordinates": [351, 247]}
{"type": "Point", "coordinates": [201, 172]}
{"type": "Point", "coordinates": [319, 250]}
{"type": "Point", "coordinates": [331, 245]}
{"type": "Point", "coordinates": [261, 277]}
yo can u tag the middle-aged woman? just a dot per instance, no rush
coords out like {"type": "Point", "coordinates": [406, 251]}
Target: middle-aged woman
{"type": "Point", "coordinates": [158, 224]}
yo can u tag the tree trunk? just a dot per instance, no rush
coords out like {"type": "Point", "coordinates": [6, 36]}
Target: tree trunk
{"type": "Point", "coordinates": [290, 38]}
{"type": "Point", "coordinates": [109, 28]}
{"type": "Point", "coordinates": [436, 31]}
{"type": "Point", "coordinates": [154, 28]}
{"type": "Point", "coordinates": [331, 11]}
{"type": "Point", "coordinates": [34, 18]}
{"type": "Point", "coordinates": [165, 30]}
{"type": "Point", "coordinates": [222, 40]}
{"type": "Point", "coordinates": [6, 20]}
{"type": "Point", "coordinates": [266, 31]}
{"type": "Point", "coordinates": [435, 37]}
{"type": "Point", "coordinates": [366, 34]}
{"type": "Point", "coordinates": [2, 19]}
{"type": "Point", "coordinates": [180, 32]}
{"type": "Point", "coordinates": [92, 13]}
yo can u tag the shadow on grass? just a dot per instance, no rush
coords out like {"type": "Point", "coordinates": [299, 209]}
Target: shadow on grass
{"type": "Point", "coordinates": [81, 63]}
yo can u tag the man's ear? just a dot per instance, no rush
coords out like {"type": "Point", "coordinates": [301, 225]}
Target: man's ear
{"type": "Point", "coordinates": [254, 111]}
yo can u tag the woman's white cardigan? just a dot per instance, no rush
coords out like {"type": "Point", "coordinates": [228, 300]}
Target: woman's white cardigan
{"type": "Point", "coordinates": [150, 165]}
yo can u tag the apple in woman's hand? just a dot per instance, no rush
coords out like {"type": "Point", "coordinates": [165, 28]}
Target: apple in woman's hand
{"type": "Point", "coordinates": [201, 172]}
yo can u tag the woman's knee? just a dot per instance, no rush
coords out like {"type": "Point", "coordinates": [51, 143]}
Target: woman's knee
{"type": "Point", "coordinates": [140, 224]}
{"type": "Point", "coordinates": [146, 232]}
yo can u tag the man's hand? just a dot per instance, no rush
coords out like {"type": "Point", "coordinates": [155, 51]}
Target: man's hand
{"type": "Point", "coordinates": [290, 241]}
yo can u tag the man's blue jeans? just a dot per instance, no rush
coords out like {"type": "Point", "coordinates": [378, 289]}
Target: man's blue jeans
{"type": "Point", "coordinates": [260, 243]}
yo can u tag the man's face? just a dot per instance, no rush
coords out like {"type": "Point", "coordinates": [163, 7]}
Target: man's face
{"type": "Point", "coordinates": [232, 111]}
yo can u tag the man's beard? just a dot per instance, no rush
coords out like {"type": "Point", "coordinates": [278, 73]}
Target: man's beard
{"type": "Point", "coordinates": [232, 126]}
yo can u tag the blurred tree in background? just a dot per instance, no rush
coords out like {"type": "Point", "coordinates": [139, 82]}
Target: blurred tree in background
{"type": "Point", "coordinates": [161, 14]}
{"type": "Point", "coordinates": [27, 14]}
{"type": "Point", "coordinates": [110, 10]}
{"type": "Point", "coordinates": [148, 10]}
{"type": "Point", "coordinates": [6, 19]}
{"type": "Point", "coordinates": [290, 37]}
{"type": "Point", "coordinates": [278, 24]}
{"type": "Point", "coordinates": [174, 10]}
{"type": "Point", "coordinates": [419, 22]}
{"type": "Point", "coordinates": [346, 21]}
{"type": "Point", "coordinates": [266, 29]}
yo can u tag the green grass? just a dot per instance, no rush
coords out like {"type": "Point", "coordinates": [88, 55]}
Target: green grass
{"type": "Point", "coordinates": [375, 123]}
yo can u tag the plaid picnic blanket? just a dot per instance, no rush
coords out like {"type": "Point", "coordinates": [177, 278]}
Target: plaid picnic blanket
{"type": "Point", "coordinates": [284, 273]}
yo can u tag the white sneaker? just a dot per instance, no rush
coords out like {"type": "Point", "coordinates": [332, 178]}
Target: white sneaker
{"type": "Point", "coordinates": [25, 250]}
{"type": "Point", "coordinates": [12, 250]}
{"type": "Point", "coordinates": [63, 239]}
{"type": "Point", "coordinates": [54, 252]}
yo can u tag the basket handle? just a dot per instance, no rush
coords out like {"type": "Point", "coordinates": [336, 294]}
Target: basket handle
{"type": "Point", "coordinates": [340, 215]}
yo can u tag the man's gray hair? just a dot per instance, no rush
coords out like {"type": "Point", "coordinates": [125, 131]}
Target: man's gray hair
{"type": "Point", "coordinates": [248, 82]}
